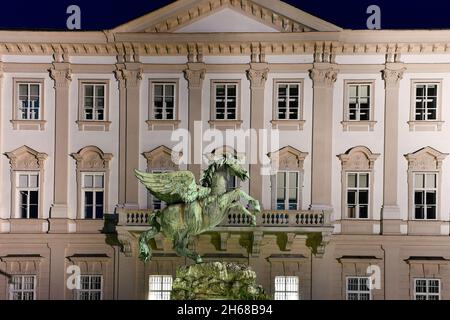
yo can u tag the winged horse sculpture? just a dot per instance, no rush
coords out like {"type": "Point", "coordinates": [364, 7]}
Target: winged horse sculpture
{"type": "Point", "coordinates": [194, 209]}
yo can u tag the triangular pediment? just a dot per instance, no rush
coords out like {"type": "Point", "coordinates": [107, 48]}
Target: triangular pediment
{"type": "Point", "coordinates": [201, 16]}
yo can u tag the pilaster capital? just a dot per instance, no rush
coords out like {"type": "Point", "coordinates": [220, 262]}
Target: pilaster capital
{"type": "Point", "coordinates": [324, 75]}
{"type": "Point", "coordinates": [392, 75]}
{"type": "Point", "coordinates": [129, 75]}
{"type": "Point", "coordinates": [61, 73]}
{"type": "Point", "coordinates": [257, 74]}
{"type": "Point", "coordinates": [195, 74]}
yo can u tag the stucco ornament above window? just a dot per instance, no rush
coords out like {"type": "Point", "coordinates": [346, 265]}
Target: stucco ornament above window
{"type": "Point", "coordinates": [288, 158]}
{"type": "Point", "coordinates": [161, 157]}
{"type": "Point", "coordinates": [358, 158]}
{"type": "Point", "coordinates": [427, 159]}
{"type": "Point", "coordinates": [92, 158]}
{"type": "Point", "coordinates": [25, 158]}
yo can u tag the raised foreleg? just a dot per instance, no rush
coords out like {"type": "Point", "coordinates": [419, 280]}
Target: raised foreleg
{"type": "Point", "coordinates": [180, 245]}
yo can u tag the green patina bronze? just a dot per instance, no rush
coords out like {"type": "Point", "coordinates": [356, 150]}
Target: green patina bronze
{"type": "Point", "coordinates": [193, 209]}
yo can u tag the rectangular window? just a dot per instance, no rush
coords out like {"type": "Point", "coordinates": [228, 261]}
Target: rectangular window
{"type": "Point", "coordinates": [286, 288]}
{"type": "Point", "coordinates": [226, 101]}
{"type": "Point", "coordinates": [358, 195]}
{"type": "Point", "coordinates": [287, 190]}
{"type": "Point", "coordinates": [358, 288]}
{"type": "Point", "coordinates": [94, 101]}
{"type": "Point", "coordinates": [288, 101]}
{"type": "Point", "coordinates": [28, 195]}
{"type": "Point", "coordinates": [22, 288]}
{"type": "Point", "coordinates": [90, 287]}
{"type": "Point", "coordinates": [93, 193]}
{"type": "Point", "coordinates": [427, 289]}
{"type": "Point", "coordinates": [159, 287]}
{"type": "Point", "coordinates": [426, 101]}
{"type": "Point", "coordinates": [164, 101]}
{"type": "Point", "coordinates": [425, 196]}
{"type": "Point", "coordinates": [359, 102]}
{"type": "Point", "coordinates": [29, 101]}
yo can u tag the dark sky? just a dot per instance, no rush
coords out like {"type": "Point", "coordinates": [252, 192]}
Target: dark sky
{"type": "Point", "coordinates": [106, 14]}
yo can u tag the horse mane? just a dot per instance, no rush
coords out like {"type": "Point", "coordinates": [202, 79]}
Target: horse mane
{"type": "Point", "coordinates": [224, 161]}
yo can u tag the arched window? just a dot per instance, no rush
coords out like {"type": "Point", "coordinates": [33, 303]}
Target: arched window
{"type": "Point", "coordinates": [424, 181]}
{"type": "Point", "coordinates": [27, 182]}
{"type": "Point", "coordinates": [287, 183]}
{"type": "Point", "coordinates": [357, 182]}
{"type": "Point", "coordinates": [93, 182]}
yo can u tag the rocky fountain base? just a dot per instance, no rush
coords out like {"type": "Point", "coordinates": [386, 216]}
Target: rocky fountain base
{"type": "Point", "coordinates": [216, 281]}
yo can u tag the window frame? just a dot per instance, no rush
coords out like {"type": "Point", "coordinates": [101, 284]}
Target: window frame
{"type": "Point", "coordinates": [161, 284]}
{"type": "Point", "coordinates": [369, 189]}
{"type": "Point", "coordinates": [427, 294]}
{"type": "Point", "coordinates": [11, 291]}
{"type": "Point", "coordinates": [359, 125]}
{"type": "Point", "coordinates": [299, 191]}
{"type": "Point", "coordinates": [89, 291]}
{"type": "Point", "coordinates": [436, 189]}
{"type": "Point", "coordinates": [28, 124]}
{"type": "Point", "coordinates": [225, 123]}
{"type": "Point", "coordinates": [93, 124]}
{"type": "Point", "coordinates": [94, 190]}
{"type": "Point", "coordinates": [163, 124]}
{"type": "Point", "coordinates": [358, 292]}
{"type": "Point", "coordinates": [426, 125]}
{"type": "Point", "coordinates": [285, 291]}
{"type": "Point", "coordinates": [19, 189]}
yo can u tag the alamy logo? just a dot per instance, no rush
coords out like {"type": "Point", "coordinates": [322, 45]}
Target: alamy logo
{"type": "Point", "coordinates": [74, 20]}
{"type": "Point", "coordinates": [74, 280]}
{"type": "Point", "coordinates": [375, 277]}
{"type": "Point", "coordinates": [374, 21]}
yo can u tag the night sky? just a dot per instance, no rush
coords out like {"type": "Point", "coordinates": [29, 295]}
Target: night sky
{"type": "Point", "coordinates": [107, 14]}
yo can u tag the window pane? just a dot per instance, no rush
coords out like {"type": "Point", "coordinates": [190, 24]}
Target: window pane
{"type": "Point", "coordinates": [353, 91]}
{"type": "Point", "coordinates": [89, 90]}
{"type": "Point", "coordinates": [419, 197]}
{"type": "Point", "coordinates": [23, 89]}
{"type": "Point", "coordinates": [293, 183]}
{"type": "Point", "coordinates": [100, 91]}
{"type": "Point", "coordinates": [364, 90]}
{"type": "Point", "coordinates": [363, 197]}
{"type": "Point", "coordinates": [98, 181]}
{"type": "Point", "coordinates": [352, 180]}
{"type": "Point", "coordinates": [88, 181]}
{"type": "Point", "coordinates": [419, 181]}
{"type": "Point", "coordinates": [34, 181]}
{"type": "Point", "coordinates": [364, 180]}
{"type": "Point", "coordinates": [23, 181]}
{"type": "Point", "coordinates": [431, 181]}
{"type": "Point", "coordinates": [158, 90]}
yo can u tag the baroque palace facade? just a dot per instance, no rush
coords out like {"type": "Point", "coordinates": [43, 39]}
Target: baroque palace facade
{"type": "Point", "coordinates": [364, 129]}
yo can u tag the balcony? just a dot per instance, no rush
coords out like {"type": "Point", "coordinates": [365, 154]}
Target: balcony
{"type": "Point", "coordinates": [315, 224]}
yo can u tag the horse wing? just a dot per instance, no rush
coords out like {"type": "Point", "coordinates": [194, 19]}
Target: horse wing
{"type": "Point", "coordinates": [173, 187]}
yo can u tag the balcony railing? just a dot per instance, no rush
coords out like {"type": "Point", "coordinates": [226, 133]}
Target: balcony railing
{"type": "Point", "coordinates": [267, 218]}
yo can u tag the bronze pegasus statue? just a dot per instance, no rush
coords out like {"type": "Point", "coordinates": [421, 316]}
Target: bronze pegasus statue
{"type": "Point", "coordinates": [192, 209]}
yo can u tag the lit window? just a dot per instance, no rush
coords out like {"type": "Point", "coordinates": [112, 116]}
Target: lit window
{"type": "Point", "coordinates": [226, 101]}
{"type": "Point", "coordinates": [164, 101]}
{"type": "Point", "coordinates": [358, 195]}
{"type": "Point", "coordinates": [29, 101]}
{"type": "Point", "coordinates": [427, 289]}
{"type": "Point", "coordinates": [286, 288]}
{"type": "Point", "coordinates": [93, 193]}
{"type": "Point", "coordinates": [359, 102]}
{"type": "Point", "coordinates": [425, 195]}
{"type": "Point", "coordinates": [288, 101]}
{"type": "Point", "coordinates": [358, 288]}
{"type": "Point", "coordinates": [28, 195]}
{"type": "Point", "coordinates": [426, 101]}
{"type": "Point", "coordinates": [94, 102]}
{"type": "Point", "coordinates": [160, 287]}
{"type": "Point", "coordinates": [22, 288]}
{"type": "Point", "coordinates": [287, 190]}
{"type": "Point", "coordinates": [90, 287]}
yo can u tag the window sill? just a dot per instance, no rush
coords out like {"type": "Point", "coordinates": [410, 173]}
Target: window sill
{"type": "Point", "coordinates": [28, 124]}
{"type": "Point", "coordinates": [155, 125]}
{"type": "Point", "coordinates": [288, 124]}
{"type": "Point", "coordinates": [225, 124]}
{"type": "Point", "coordinates": [425, 125]}
{"type": "Point", "coordinates": [92, 125]}
{"type": "Point", "coordinates": [358, 125]}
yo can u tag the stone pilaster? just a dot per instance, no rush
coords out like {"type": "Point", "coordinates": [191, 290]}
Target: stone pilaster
{"type": "Point", "coordinates": [324, 76]}
{"type": "Point", "coordinates": [195, 74]}
{"type": "Point", "coordinates": [392, 75]}
{"type": "Point", "coordinates": [257, 74]}
{"type": "Point", "coordinates": [62, 77]}
{"type": "Point", "coordinates": [129, 76]}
